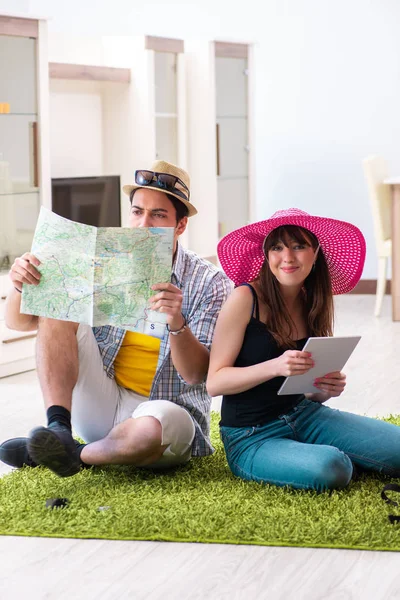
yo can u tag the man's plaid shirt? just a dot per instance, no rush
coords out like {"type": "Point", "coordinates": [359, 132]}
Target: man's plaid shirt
{"type": "Point", "coordinates": [205, 288]}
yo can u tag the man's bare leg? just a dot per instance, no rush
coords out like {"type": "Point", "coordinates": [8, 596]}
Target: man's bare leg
{"type": "Point", "coordinates": [57, 361]}
{"type": "Point", "coordinates": [58, 368]}
{"type": "Point", "coordinates": [133, 442]}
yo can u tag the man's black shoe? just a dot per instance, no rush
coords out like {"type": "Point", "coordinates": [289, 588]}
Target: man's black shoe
{"type": "Point", "coordinates": [55, 448]}
{"type": "Point", "coordinates": [14, 452]}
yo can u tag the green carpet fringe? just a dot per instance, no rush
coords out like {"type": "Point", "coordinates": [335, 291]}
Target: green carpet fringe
{"type": "Point", "coordinates": [200, 502]}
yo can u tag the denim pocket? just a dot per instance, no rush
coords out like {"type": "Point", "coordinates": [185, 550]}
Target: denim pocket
{"type": "Point", "coordinates": [231, 436]}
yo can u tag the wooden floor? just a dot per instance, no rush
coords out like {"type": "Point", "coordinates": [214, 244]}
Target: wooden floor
{"type": "Point", "coordinates": [58, 569]}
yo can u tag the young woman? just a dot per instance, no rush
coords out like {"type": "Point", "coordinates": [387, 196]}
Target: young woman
{"type": "Point", "coordinates": [286, 270]}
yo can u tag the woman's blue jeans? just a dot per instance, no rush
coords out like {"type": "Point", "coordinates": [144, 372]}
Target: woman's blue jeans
{"type": "Point", "coordinates": [312, 447]}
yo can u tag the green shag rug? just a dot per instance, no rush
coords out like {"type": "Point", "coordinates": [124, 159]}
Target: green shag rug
{"type": "Point", "coordinates": [200, 502]}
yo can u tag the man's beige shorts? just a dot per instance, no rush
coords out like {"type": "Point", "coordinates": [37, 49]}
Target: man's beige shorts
{"type": "Point", "coordinates": [99, 404]}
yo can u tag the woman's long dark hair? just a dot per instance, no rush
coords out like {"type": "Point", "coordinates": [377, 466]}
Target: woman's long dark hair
{"type": "Point", "coordinates": [317, 291]}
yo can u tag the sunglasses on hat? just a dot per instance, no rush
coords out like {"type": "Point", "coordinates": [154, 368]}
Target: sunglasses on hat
{"type": "Point", "coordinates": [163, 181]}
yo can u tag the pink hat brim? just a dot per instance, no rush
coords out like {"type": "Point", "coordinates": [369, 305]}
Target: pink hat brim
{"type": "Point", "coordinates": [241, 251]}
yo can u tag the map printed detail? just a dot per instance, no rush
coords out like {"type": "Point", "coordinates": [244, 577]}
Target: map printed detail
{"type": "Point", "coordinates": [99, 276]}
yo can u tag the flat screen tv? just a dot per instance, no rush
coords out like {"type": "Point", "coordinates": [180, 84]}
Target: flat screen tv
{"type": "Point", "coordinates": [89, 200]}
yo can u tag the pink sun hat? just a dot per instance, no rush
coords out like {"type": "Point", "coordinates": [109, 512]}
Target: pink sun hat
{"type": "Point", "coordinates": [241, 251]}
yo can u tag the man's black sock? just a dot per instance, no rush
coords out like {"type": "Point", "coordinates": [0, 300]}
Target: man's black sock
{"type": "Point", "coordinates": [58, 415]}
{"type": "Point", "coordinates": [79, 448]}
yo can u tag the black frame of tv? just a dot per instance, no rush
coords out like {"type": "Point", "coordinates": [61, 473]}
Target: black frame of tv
{"type": "Point", "coordinates": [89, 200]}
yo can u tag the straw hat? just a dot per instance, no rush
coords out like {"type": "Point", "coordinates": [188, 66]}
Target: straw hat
{"type": "Point", "coordinates": [161, 166]}
{"type": "Point", "coordinates": [241, 252]}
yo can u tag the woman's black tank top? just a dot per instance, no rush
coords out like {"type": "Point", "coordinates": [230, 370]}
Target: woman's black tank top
{"type": "Point", "coordinates": [260, 404]}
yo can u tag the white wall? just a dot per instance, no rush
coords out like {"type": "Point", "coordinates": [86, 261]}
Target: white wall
{"type": "Point", "coordinates": [327, 97]}
{"type": "Point", "coordinates": [14, 6]}
{"type": "Point", "coordinates": [76, 129]}
{"type": "Point", "coordinates": [326, 79]}
{"type": "Point", "coordinates": [203, 233]}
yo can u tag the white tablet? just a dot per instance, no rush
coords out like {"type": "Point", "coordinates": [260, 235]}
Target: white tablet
{"type": "Point", "coordinates": [329, 354]}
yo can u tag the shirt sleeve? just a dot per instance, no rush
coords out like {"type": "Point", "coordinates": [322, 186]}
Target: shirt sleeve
{"type": "Point", "coordinates": [203, 318]}
{"type": "Point", "coordinates": [204, 313]}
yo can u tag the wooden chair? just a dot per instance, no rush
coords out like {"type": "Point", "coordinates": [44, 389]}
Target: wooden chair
{"type": "Point", "coordinates": [375, 170]}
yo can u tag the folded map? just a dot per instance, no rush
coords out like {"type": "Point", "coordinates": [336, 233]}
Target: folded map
{"type": "Point", "coordinates": [99, 275]}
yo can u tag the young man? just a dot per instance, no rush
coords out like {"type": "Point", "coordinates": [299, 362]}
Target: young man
{"type": "Point", "coordinates": [134, 399]}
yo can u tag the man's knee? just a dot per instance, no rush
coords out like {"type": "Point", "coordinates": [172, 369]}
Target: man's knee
{"type": "Point", "coordinates": [148, 429]}
{"type": "Point", "coordinates": [55, 325]}
{"type": "Point", "coordinates": [143, 438]}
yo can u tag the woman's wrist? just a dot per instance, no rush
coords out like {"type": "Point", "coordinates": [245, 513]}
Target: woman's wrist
{"type": "Point", "coordinates": [269, 369]}
{"type": "Point", "coordinates": [273, 363]}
